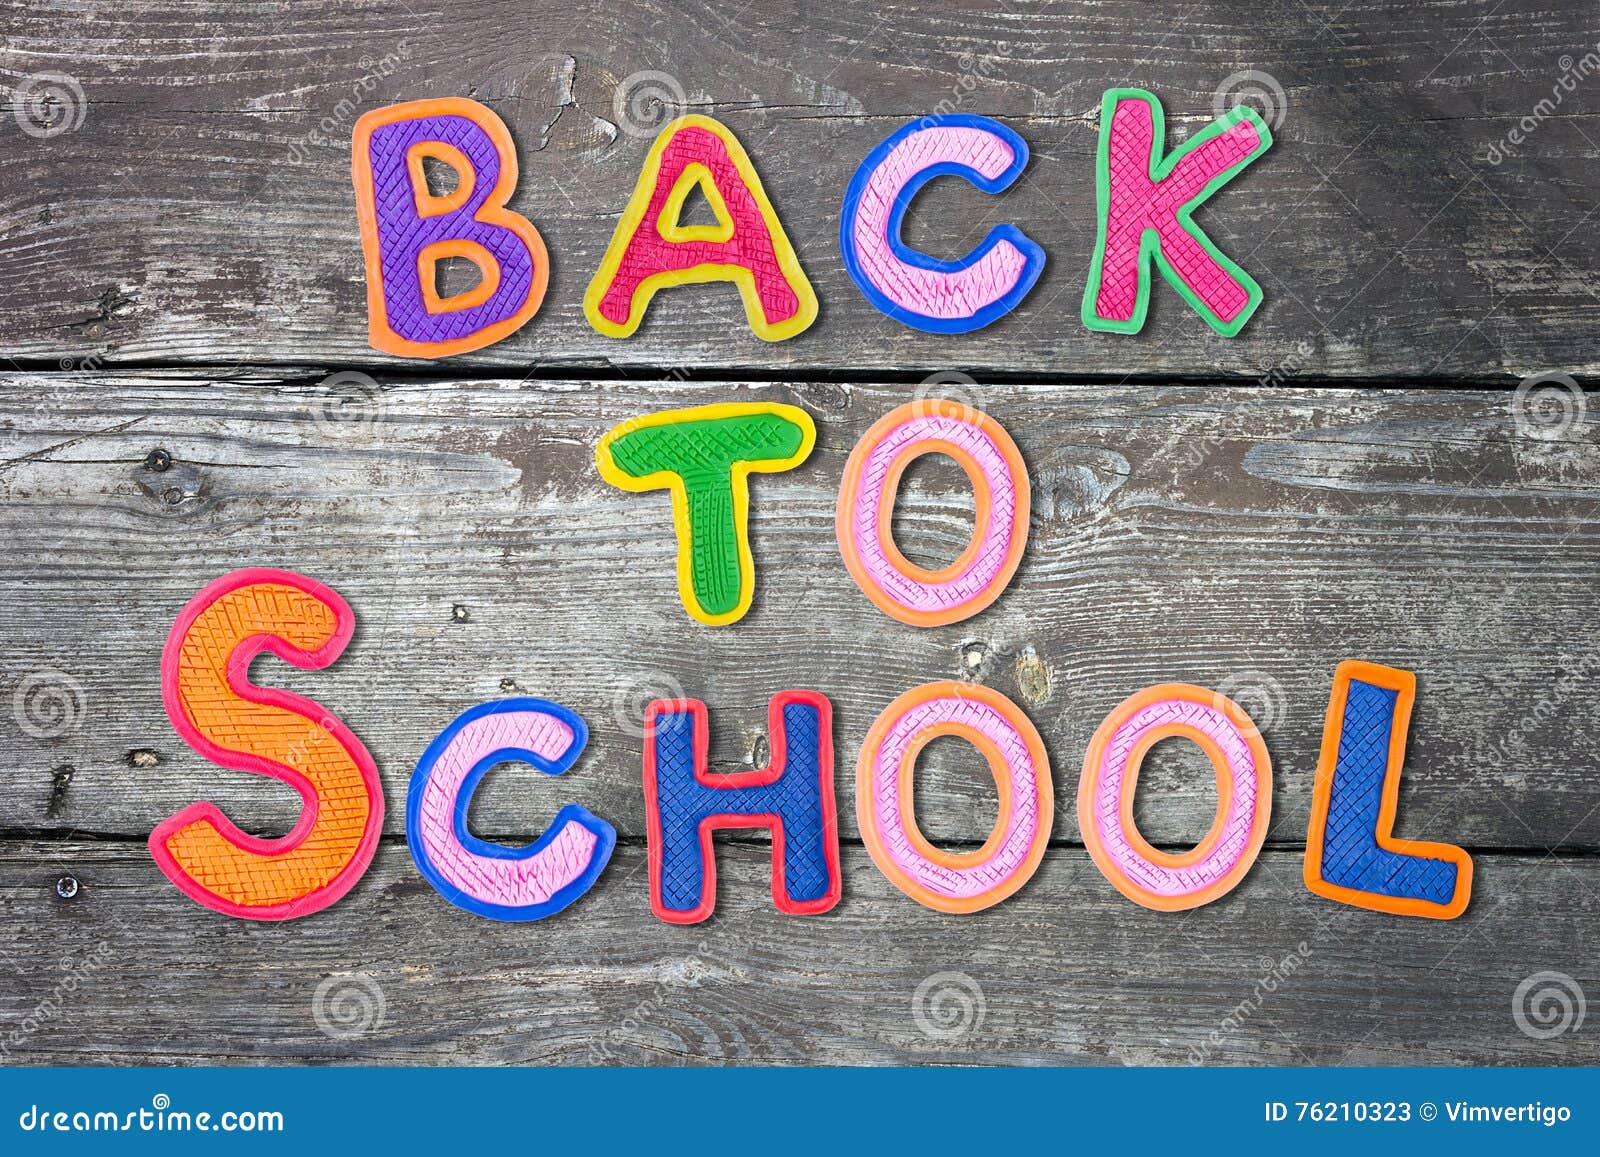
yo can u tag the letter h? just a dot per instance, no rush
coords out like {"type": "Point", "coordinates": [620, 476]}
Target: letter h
{"type": "Point", "coordinates": [792, 798]}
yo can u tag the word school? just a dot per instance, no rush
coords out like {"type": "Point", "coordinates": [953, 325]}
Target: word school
{"type": "Point", "coordinates": [704, 456]}
{"type": "Point", "coordinates": [1146, 197]}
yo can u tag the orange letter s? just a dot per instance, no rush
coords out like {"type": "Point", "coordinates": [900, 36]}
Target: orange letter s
{"type": "Point", "coordinates": [222, 715]}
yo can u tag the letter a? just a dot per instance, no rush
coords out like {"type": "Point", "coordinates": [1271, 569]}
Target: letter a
{"type": "Point", "coordinates": [653, 250]}
{"type": "Point", "coordinates": [1145, 206]}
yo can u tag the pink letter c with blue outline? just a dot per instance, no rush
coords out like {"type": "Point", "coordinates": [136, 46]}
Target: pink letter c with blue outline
{"type": "Point", "coordinates": [504, 883]}
{"type": "Point", "coordinates": [924, 292]}
{"type": "Point", "coordinates": [1145, 203]}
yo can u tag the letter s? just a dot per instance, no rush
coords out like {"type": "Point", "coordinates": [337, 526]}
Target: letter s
{"type": "Point", "coordinates": [222, 715]}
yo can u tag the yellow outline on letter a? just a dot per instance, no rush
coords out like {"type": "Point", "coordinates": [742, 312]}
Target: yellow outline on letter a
{"type": "Point", "coordinates": [633, 219]}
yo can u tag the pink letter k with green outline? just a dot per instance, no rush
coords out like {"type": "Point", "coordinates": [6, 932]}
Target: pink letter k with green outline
{"type": "Point", "coordinates": [1145, 206]}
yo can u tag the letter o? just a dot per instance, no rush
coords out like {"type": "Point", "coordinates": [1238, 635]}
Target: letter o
{"type": "Point", "coordinates": [1232, 742]}
{"type": "Point", "coordinates": [865, 513]}
{"type": "Point", "coordinates": [948, 881]}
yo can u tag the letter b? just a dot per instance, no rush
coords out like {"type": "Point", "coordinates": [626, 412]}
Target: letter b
{"type": "Point", "coordinates": [406, 230]}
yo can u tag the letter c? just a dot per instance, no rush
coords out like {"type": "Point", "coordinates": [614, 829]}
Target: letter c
{"type": "Point", "coordinates": [924, 292]}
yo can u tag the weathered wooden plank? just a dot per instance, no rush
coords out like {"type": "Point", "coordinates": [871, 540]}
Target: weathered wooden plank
{"type": "Point", "coordinates": [1065, 972]}
{"type": "Point", "coordinates": [1238, 538]}
{"type": "Point", "coordinates": [201, 210]}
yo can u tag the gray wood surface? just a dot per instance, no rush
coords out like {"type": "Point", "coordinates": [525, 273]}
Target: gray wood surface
{"type": "Point", "coordinates": [1237, 537]}
{"type": "Point", "coordinates": [202, 210]}
{"type": "Point", "coordinates": [1065, 972]}
{"type": "Point", "coordinates": [1353, 477]}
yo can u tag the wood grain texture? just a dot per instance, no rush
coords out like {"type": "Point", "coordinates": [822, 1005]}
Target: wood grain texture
{"type": "Point", "coordinates": [1241, 539]}
{"type": "Point", "coordinates": [1349, 478]}
{"type": "Point", "coordinates": [1065, 972]}
{"type": "Point", "coordinates": [202, 210]}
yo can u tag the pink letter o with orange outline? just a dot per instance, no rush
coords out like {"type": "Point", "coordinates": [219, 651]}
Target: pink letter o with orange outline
{"type": "Point", "coordinates": [1232, 742]}
{"type": "Point", "coordinates": [865, 513]}
{"type": "Point", "coordinates": [947, 881]}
